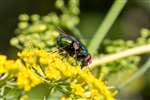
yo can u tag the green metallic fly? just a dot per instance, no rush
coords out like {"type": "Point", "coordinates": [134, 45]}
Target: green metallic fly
{"type": "Point", "coordinates": [74, 47]}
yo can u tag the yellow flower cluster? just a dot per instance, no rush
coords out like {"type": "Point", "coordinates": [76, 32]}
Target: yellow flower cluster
{"type": "Point", "coordinates": [36, 66]}
{"type": "Point", "coordinates": [7, 65]}
{"type": "Point", "coordinates": [52, 64]}
{"type": "Point", "coordinates": [25, 78]}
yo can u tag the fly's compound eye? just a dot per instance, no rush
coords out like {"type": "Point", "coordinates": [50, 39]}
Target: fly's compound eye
{"type": "Point", "coordinates": [88, 59]}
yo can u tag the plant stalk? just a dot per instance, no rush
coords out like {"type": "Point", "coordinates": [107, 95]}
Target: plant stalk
{"type": "Point", "coordinates": [123, 54]}
{"type": "Point", "coordinates": [106, 25]}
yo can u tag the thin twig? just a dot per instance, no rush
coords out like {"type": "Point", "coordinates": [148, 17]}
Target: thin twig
{"type": "Point", "coordinates": [106, 25]}
{"type": "Point", "coordinates": [123, 54]}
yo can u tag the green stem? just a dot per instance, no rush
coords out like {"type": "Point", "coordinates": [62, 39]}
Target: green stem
{"type": "Point", "coordinates": [4, 79]}
{"type": "Point", "coordinates": [139, 73]}
{"type": "Point", "coordinates": [106, 25]}
{"type": "Point", "coordinates": [123, 54]}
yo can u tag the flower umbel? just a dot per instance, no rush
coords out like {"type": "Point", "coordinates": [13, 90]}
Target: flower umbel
{"type": "Point", "coordinates": [35, 66]}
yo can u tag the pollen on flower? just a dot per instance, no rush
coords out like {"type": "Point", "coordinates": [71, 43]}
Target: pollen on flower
{"type": "Point", "coordinates": [53, 73]}
{"type": "Point", "coordinates": [77, 89]}
{"type": "Point", "coordinates": [7, 65]}
{"type": "Point", "coordinates": [35, 66]}
{"type": "Point", "coordinates": [99, 85]}
{"type": "Point", "coordinates": [27, 79]}
{"type": "Point", "coordinates": [2, 62]}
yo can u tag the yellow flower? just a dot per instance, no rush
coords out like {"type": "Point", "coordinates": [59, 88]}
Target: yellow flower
{"type": "Point", "coordinates": [97, 84]}
{"type": "Point", "coordinates": [52, 73]}
{"type": "Point", "coordinates": [7, 65]}
{"type": "Point", "coordinates": [27, 79]}
{"type": "Point", "coordinates": [2, 62]}
{"type": "Point", "coordinates": [11, 65]}
{"type": "Point", "coordinates": [34, 67]}
{"type": "Point", "coordinates": [77, 89]}
{"type": "Point", "coordinates": [96, 96]}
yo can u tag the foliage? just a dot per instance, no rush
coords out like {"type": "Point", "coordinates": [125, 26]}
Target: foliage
{"type": "Point", "coordinates": [114, 46]}
{"type": "Point", "coordinates": [126, 65]}
{"type": "Point", "coordinates": [42, 66]}
{"type": "Point", "coordinates": [39, 31]}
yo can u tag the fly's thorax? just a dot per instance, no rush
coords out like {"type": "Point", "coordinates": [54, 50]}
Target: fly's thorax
{"type": "Point", "coordinates": [63, 41]}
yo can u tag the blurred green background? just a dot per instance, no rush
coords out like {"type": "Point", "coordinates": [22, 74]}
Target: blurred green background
{"type": "Point", "coordinates": [134, 17]}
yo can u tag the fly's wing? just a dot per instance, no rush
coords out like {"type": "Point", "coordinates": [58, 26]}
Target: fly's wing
{"type": "Point", "coordinates": [69, 38]}
{"type": "Point", "coordinates": [62, 33]}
